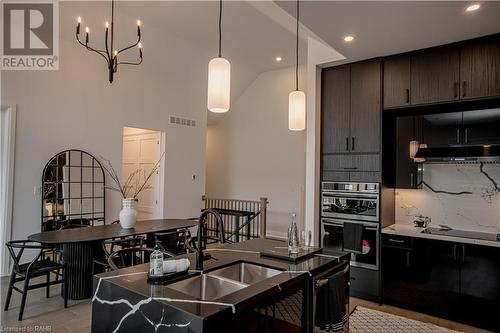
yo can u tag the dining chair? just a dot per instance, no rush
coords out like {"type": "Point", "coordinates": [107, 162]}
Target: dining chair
{"type": "Point", "coordinates": [38, 266]}
{"type": "Point", "coordinates": [214, 236]}
{"type": "Point", "coordinates": [176, 241]}
{"type": "Point", "coordinates": [131, 256]}
{"type": "Point", "coordinates": [108, 247]}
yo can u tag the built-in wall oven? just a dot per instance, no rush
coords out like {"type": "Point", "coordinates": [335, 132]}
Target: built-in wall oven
{"type": "Point", "coordinates": [356, 203]}
{"type": "Point", "coordinates": [332, 237]}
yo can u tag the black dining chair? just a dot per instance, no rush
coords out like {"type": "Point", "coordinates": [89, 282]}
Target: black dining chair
{"type": "Point", "coordinates": [39, 266]}
{"type": "Point", "coordinates": [108, 246]}
{"type": "Point", "coordinates": [131, 256]}
{"type": "Point", "coordinates": [176, 241]}
{"type": "Point", "coordinates": [210, 236]}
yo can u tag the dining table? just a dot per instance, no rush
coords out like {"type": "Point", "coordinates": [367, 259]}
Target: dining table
{"type": "Point", "coordinates": [80, 246]}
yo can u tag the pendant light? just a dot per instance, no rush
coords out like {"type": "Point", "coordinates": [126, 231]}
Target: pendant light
{"type": "Point", "coordinates": [219, 78]}
{"type": "Point", "coordinates": [297, 98]}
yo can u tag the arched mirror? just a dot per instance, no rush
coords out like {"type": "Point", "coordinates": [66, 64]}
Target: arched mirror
{"type": "Point", "coordinates": [72, 190]}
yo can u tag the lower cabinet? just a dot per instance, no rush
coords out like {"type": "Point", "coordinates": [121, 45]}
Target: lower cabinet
{"type": "Point", "coordinates": [457, 281]}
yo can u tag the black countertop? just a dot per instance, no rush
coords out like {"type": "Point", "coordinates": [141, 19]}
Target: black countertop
{"type": "Point", "coordinates": [134, 279]}
{"type": "Point", "coordinates": [109, 231]}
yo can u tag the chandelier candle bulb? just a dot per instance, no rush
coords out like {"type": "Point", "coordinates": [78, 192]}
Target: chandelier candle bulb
{"type": "Point", "coordinates": [107, 25]}
{"type": "Point", "coordinates": [79, 21]}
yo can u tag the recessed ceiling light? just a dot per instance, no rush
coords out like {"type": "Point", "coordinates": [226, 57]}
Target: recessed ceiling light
{"type": "Point", "coordinates": [348, 38]}
{"type": "Point", "coordinates": [473, 7]}
{"type": "Point", "coordinates": [278, 59]}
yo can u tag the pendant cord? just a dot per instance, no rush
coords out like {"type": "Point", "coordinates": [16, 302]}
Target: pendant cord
{"type": "Point", "coordinates": [220, 28]}
{"type": "Point", "coordinates": [297, 51]}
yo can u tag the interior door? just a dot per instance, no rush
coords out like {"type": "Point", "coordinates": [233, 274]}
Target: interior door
{"type": "Point", "coordinates": [335, 109]}
{"type": "Point", "coordinates": [141, 152]}
{"type": "Point", "coordinates": [365, 107]}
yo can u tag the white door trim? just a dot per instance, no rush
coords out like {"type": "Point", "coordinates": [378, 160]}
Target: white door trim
{"type": "Point", "coordinates": [7, 154]}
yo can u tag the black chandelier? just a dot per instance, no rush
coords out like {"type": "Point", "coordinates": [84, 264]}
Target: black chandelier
{"type": "Point", "coordinates": [109, 53]}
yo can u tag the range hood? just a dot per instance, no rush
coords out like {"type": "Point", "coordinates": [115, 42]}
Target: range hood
{"type": "Point", "coordinates": [459, 154]}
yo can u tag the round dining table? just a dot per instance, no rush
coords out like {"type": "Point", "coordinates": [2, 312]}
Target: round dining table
{"type": "Point", "coordinates": [81, 245]}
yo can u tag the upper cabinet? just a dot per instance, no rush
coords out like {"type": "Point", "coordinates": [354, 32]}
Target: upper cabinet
{"type": "Point", "coordinates": [365, 106]}
{"type": "Point", "coordinates": [336, 110]}
{"type": "Point", "coordinates": [435, 76]}
{"type": "Point", "coordinates": [465, 71]}
{"type": "Point", "coordinates": [480, 69]}
{"type": "Point", "coordinates": [481, 127]}
{"type": "Point", "coordinates": [397, 81]}
{"type": "Point", "coordinates": [351, 108]}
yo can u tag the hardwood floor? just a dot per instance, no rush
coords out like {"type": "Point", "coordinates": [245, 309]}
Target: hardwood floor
{"type": "Point", "coordinates": [51, 313]}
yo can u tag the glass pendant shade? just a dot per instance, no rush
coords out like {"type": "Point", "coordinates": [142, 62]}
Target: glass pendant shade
{"type": "Point", "coordinates": [219, 85]}
{"type": "Point", "coordinates": [297, 111]}
{"type": "Point", "coordinates": [414, 145]}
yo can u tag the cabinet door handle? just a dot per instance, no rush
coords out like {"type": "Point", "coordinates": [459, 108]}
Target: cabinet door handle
{"type": "Point", "coordinates": [411, 180]}
{"type": "Point", "coordinates": [407, 96]}
{"type": "Point", "coordinates": [454, 252]}
{"type": "Point", "coordinates": [350, 168]}
{"type": "Point", "coordinates": [352, 145]}
{"type": "Point", "coordinates": [396, 240]}
{"type": "Point", "coordinates": [464, 88]}
{"type": "Point", "coordinates": [466, 136]}
{"type": "Point", "coordinates": [463, 253]}
{"type": "Point", "coordinates": [458, 136]}
{"type": "Point", "coordinates": [346, 143]}
{"type": "Point", "coordinates": [455, 90]}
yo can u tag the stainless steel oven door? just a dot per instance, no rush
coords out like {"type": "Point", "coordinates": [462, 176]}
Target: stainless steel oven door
{"type": "Point", "coordinates": [332, 237]}
{"type": "Point", "coordinates": [356, 206]}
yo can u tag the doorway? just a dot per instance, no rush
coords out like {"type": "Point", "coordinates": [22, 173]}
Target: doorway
{"type": "Point", "coordinates": [7, 146]}
{"type": "Point", "coordinates": [142, 149]}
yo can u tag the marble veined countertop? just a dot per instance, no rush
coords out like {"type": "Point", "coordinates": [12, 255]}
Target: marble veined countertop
{"type": "Point", "coordinates": [412, 231]}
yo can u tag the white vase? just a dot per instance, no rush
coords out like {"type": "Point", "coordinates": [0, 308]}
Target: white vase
{"type": "Point", "coordinates": [128, 214]}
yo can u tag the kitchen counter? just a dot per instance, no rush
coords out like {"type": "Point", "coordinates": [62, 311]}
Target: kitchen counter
{"type": "Point", "coordinates": [124, 301]}
{"type": "Point", "coordinates": [412, 231]}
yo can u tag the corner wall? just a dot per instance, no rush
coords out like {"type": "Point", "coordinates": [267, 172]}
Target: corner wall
{"type": "Point", "coordinates": [252, 154]}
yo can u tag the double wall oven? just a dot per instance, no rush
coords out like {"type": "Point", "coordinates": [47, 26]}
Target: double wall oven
{"type": "Point", "coordinates": [357, 203]}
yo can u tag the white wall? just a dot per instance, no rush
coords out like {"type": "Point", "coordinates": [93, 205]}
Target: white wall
{"type": "Point", "coordinates": [252, 154]}
{"type": "Point", "coordinates": [75, 107]}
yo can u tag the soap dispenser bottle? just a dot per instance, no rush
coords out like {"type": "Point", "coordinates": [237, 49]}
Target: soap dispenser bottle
{"type": "Point", "coordinates": [293, 236]}
{"type": "Point", "coordinates": [156, 262]}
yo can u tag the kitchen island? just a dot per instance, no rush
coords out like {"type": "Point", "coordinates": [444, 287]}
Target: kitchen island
{"type": "Point", "coordinates": [124, 301]}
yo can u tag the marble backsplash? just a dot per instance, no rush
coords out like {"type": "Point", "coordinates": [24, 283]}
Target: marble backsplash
{"type": "Point", "coordinates": [472, 201]}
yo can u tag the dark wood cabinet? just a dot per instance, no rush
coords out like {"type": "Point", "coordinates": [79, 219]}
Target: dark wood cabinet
{"type": "Point", "coordinates": [408, 129]}
{"type": "Point", "coordinates": [448, 279]}
{"type": "Point", "coordinates": [351, 122]}
{"type": "Point", "coordinates": [365, 106]}
{"type": "Point", "coordinates": [480, 69]}
{"type": "Point", "coordinates": [397, 81]}
{"type": "Point", "coordinates": [442, 130]}
{"type": "Point", "coordinates": [481, 127]}
{"type": "Point", "coordinates": [335, 110]}
{"type": "Point", "coordinates": [435, 76]}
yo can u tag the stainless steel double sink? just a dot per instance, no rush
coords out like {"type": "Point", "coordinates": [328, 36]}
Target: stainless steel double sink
{"type": "Point", "coordinates": [223, 281]}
